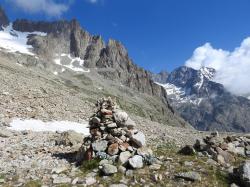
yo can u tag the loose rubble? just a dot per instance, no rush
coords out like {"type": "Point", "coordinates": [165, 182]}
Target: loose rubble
{"type": "Point", "coordinates": [222, 149]}
{"type": "Point", "coordinates": [114, 138]}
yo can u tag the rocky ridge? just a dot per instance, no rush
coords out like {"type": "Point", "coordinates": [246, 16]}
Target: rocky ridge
{"type": "Point", "coordinates": [205, 104]}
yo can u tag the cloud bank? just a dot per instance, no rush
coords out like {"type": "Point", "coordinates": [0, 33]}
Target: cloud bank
{"type": "Point", "coordinates": [233, 68]}
{"type": "Point", "coordinates": [48, 7]}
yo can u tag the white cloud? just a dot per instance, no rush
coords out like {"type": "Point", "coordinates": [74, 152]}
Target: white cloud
{"type": "Point", "coordinates": [233, 68]}
{"type": "Point", "coordinates": [48, 7]}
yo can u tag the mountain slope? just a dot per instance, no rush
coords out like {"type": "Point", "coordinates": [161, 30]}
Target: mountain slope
{"type": "Point", "coordinates": [84, 63]}
{"type": "Point", "coordinates": [205, 104]}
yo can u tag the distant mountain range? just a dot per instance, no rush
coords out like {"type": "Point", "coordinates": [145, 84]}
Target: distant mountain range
{"type": "Point", "coordinates": [205, 104]}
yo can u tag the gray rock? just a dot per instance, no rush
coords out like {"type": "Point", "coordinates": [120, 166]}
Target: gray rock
{"type": "Point", "coordinates": [90, 181]}
{"type": "Point", "coordinates": [124, 156]}
{"type": "Point", "coordinates": [155, 167]}
{"type": "Point", "coordinates": [244, 173]}
{"type": "Point", "coordinates": [129, 173]}
{"type": "Point", "coordinates": [120, 117]}
{"type": "Point", "coordinates": [4, 133]}
{"type": "Point", "coordinates": [100, 146]}
{"type": "Point", "coordinates": [130, 123]}
{"type": "Point", "coordinates": [136, 162]}
{"type": "Point", "coordinates": [109, 169]}
{"type": "Point", "coordinates": [118, 185]}
{"type": "Point", "coordinates": [138, 139]}
{"type": "Point", "coordinates": [62, 180]}
{"type": "Point", "coordinates": [112, 125]}
{"type": "Point", "coordinates": [70, 138]}
{"type": "Point", "coordinates": [190, 176]}
{"type": "Point", "coordinates": [122, 169]}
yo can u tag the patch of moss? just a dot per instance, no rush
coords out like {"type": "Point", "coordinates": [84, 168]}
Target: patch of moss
{"type": "Point", "coordinates": [34, 183]}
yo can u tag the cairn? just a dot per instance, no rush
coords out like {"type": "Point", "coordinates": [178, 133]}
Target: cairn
{"type": "Point", "coordinates": [114, 140]}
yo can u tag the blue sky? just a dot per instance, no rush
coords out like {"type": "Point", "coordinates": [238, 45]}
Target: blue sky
{"type": "Point", "coordinates": [159, 34]}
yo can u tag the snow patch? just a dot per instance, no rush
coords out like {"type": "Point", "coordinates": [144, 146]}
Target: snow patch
{"type": "Point", "coordinates": [179, 95]}
{"type": "Point", "coordinates": [14, 41]}
{"type": "Point", "coordinates": [70, 65]}
{"type": "Point", "coordinates": [40, 126]}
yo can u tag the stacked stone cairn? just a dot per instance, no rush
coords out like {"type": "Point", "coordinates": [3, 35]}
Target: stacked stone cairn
{"type": "Point", "coordinates": [222, 149]}
{"type": "Point", "coordinates": [114, 140]}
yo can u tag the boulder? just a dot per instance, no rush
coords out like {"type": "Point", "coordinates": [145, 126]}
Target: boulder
{"type": "Point", "coordinates": [187, 150]}
{"type": "Point", "coordinates": [136, 162]}
{"type": "Point", "coordinates": [120, 117]}
{"type": "Point", "coordinates": [109, 169]}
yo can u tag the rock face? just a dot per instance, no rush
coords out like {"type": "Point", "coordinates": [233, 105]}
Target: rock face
{"type": "Point", "coordinates": [114, 142]}
{"type": "Point", "coordinates": [205, 104]}
{"type": "Point", "coordinates": [4, 21]}
{"type": "Point", "coordinates": [111, 59]}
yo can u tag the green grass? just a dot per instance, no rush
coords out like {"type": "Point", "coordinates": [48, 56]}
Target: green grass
{"type": "Point", "coordinates": [89, 165]}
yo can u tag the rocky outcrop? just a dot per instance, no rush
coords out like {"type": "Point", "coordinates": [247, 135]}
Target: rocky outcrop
{"type": "Point", "coordinates": [111, 60]}
{"type": "Point", "coordinates": [160, 77]}
{"type": "Point", "coordinates": [4, 21]}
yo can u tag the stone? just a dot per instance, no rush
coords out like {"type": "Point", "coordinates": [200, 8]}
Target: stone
{"type": "Point", "coordinates": [90, 181]}
{"type": "Point", "coordinates": [75, 181]}
{"type": "Point", "coordinates": [233, 185]}
{"type": "Point", "coordinates": [228, 158]}
{"type": "Point", "coordinates": [102, 162]}
{"type": "Point", "coordinates": [122, 169]}
{"type": "Point", "coordinates": [190, 176]}
{"type": "Point", "coordinates": [109, 169]}
{"type": "Point", "coordinates": [118, 185]}
{"type": "Point", "coordinates": [215, 134]}
{"type": "Point", "coordinates": [2, 180]}
{"type": "Point", "coordinates": [138, 139]}
{"type": "Point", "coordinates": [129, 173]}
{"type": "Point", "coordinates": [62, 180]}
{"type": "Point", "coordinates": [129, 123]}
{"type": "Point", "coordinates": [188, 150]}
{"type": "Point", "coordinates": [59, 170]}
{"type": "Point", "coordinates": [113, 149]}
{"type": "Point", "coordinates": [100, 145]}
{"type": "Point", "coordinates": [4, 133]}
{"type": "Point", "coordinates": [244, 173]}
{"type": "Point", "coordinates": [106, 112]}
{"type": "Point", "coordinates": [124, 146]}
{"type": "Point", "coordinates": [240, 151]}
{"type": "Point", "coordinates": [70, 138]}
{"type": "Point", "coordinates": [112, 125]}
{"type": "Point", "coordinates": [96, 120]}
{"type": "Point", "coordinates": [136, 162]}
{"type": "Point", "coordinates": [155, 167]}
{"type": "Point", "coordinates": [124, 156]}
{"type": "Point", "coordinates": [144, 151]}
{"type": "Point", "coordinates": [120, 117]}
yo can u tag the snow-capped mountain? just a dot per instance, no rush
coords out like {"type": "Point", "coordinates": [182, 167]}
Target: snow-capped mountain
{"type": "Point", "coordinates": [205, 104]}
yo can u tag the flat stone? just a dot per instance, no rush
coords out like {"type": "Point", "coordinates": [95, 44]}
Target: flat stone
{"type": "Point", "coordinates": [100, 146]}
{"type": "Point", "coordinates": [59, 170]}
{"type": "Point", "coordinates": [124, 156]}
{"type": "Point", "coordinates": [112, 125]}
{"type": "Point", "coordinates": [122, 169]}
{"type": "Point", "coordinates": [136, 162]}
{"type": "Point", "coordinates": [190, 176]}
{"type": "Point", "coordinates": [62, 180]}
{"type": "Point", "coordinates": [155, 167]}
{"type": "Point", "coordinates": [118, 185]}
{"type": "Point", "coordinates": [109, 169]}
